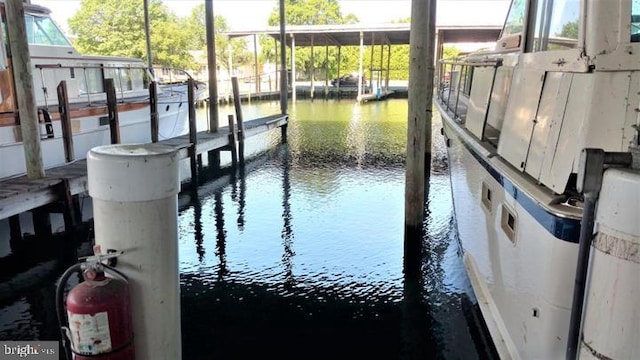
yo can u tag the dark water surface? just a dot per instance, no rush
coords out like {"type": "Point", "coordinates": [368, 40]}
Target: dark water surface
{"type": "Point", "coordinates": [303, 256]}
{"type": "Point", "coordinates": [300, 255]}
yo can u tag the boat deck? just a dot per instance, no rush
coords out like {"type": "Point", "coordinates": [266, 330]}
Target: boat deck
{"type": "Point", "coordinates": [20, 194]}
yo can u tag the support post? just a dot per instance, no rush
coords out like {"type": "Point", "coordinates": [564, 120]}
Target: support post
{"type": "Point", "coordinates": [41, 223]}
{"type": "Point", "coordinates": [193, 131]}
{"type": "Point", "coordinates": [147, 33]}
{"type": "Point", "coordinates": [233, 139]}
{"type": "Point", "coordinates": [65, 121]}
{"type": "Point", "coordinates": [28, 113]}
{"type": "Point", "coordinates": [379, 82]}
{"type": "Point", "coordinates": [211, 59]}
{"type": "Point", "coordinates": [326, 72]}
{"type": "Point", "coordinates": [112, 109]}
{"type": "Point", "coordinates": [239, 119]}
{"type": "Point", "coordinates": [293, 67]}
{"type": "Point", "coordinates": [230, 65]}
{"type": "Point", "coordinates": [15, 231]}
{"type": "Point", "coordinates": [153, 106]}
{"type": "Point", "coordinates": [360, 67]}
{"type": "Point", "coordinates": [277, 61]}
{"type": "Point", "coordinates": [70, 207]}
{"type": "Point", "coordinates": [419, 119]}
{"type": "Point", "coordinates": [255, 67]}
{"type": "Point", "coordinates": [313, 72]}
{"type": "Point", "coordinates": [373, 48]}
{"type": "Point", "coordinates": [338, 82]}
{"type": "Point", "coordinates": [386, 82]}
{"type": "Point", "coordinates": [283, 69]}
{"type": "Point", "coordinates": [135, 207]}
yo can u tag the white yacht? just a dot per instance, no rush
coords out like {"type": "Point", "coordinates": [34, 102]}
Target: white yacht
{"type": "Point", "coordinates": [54, 59]}
{"type": "Point", "coordinates": [542, 135]}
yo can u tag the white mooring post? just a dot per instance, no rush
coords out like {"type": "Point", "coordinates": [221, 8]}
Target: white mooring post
{"type": "Point", "coordinates": [135, 207]}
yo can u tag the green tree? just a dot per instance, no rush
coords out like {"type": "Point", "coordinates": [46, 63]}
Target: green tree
{"type": "Point", "coordinates": [310, 12]}
{"type": "Point", "coordinates": [115, 27]}
{"type": "Point", "coordinates": [195, 26]}
{"type": "Point", "coordinates": [570, 30]}
{"type": "Point", "coordinates": [450, 52]}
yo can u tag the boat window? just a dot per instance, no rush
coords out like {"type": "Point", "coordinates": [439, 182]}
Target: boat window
{"type": "Point", "coordinates": [43, 31]}
{"type": "Point", "coordinates": [515, 20]}
{"type": "Point", "coordinates": [3, 48]}
{"type": "Point", "coordinates": [92, 81]}
{"type": "Point", "coordinates": [127, 78]}
{"type": "Point", "coordinates": [635, 21]}
{"type": "Point", "coordinates": [557, 24]}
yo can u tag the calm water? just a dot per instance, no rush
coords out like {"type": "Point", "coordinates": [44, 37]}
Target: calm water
{"type": "Point", "coordinates": [301, 254]}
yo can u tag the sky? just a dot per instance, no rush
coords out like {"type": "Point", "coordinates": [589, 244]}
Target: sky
{"type": "Point", "coordinates": [253, 14]}
{"type": "Point", "coordinates": [238, 18]}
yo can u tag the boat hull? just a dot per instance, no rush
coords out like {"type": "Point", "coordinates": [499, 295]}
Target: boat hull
{"type": "Point", "coordinates": [91, 131]}
{"type": "Point", "coordinates": [520, 257]}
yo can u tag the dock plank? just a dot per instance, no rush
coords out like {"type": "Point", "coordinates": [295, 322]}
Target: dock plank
{"type": "Point", "coordinates": [20, 194]}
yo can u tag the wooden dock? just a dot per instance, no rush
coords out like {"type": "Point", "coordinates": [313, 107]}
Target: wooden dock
{"type": "Point", "coordinates": [19, 194]}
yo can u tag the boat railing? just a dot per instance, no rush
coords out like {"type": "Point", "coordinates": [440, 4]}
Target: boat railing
{"type": "Point", "coordinates": [266, 82]}
{"type": "Point", "coordinates": [454, 82]}
{"type": "Point", "coordinates": [125, 78]}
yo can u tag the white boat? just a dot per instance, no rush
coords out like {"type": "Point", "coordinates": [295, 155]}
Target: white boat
{"type": "Point", "coordinates": [54, 59]}
{"type": "Point", "coordinates": [564, 77]}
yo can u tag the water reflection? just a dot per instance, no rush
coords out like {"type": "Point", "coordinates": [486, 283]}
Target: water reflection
{"type": "Point", "coordinates": [301, 254]}
{"type": "Point", "coordinates": [287, 230]}
{"type": "Point", "coordinates": [221, 237]}
{"type": "Point", "coordinates": [338, 282]}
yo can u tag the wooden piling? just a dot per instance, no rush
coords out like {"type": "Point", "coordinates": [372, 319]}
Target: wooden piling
{"type": "Point", "coordinates": [65, 121]}
{"type": "Point", "coordinates": [233, 140]}
{"type": "Point", "coordinates": [21, 63]}
{"type": "Point", "coordinates": [284, 84]}
{"type": "Point", "coordinates": [313, 73]}
{"type": "Point", "coordinates": [112, 108]}
{"type": "Point", "coordinates": [71, 211]}
{"type": "Point", "coordinates": [193, 132]}
{"type": "Point", "coordinates": [236, 98]}
{"type": "Point", "coordinates": [326, 72]}
{"type": "Point", "coordinates": [211, 63]}
{"type": "Point", "coordinates": [153, 105]}
{"type": "Point", "coordinates": [14, 228]}
{"type": "Point", "coordinates": [42, 223]}
{"type": "Point", "coordinates": [147, 32]}
{"type": "Point", "coordinates": [239, 119]}
{"type": "Point", "coordinates": [420, 96]}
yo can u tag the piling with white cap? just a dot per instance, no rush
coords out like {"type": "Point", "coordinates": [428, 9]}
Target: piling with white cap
{"type": "Point", "coordinates": [134, 190]}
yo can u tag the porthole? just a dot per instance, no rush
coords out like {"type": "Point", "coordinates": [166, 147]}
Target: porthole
{"type": "Point", "coordinates": [509, 223]}
{"type": "Point", "coordinates": [487, 195]}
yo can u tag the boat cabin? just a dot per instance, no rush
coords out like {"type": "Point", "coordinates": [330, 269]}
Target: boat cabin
{"type": "Point", "coordinates": [563, 76]}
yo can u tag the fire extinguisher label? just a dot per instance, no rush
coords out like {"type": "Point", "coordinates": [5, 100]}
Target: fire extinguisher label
{"type": "Point", "coordinates": [90, 333]}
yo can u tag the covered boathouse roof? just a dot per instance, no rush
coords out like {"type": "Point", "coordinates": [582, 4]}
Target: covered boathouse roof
{"type": "Point", "coordinates": [391, 34]}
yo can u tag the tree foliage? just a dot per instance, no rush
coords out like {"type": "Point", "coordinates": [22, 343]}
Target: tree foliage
{"type": "Point", "coordinates": [116, 28]}
{"type": "Point", "coordinates": [323, 12]}
{"type": "Point", "coordinates": [310, 12]}
{"type": "Point", "coordinates": [195, 26]}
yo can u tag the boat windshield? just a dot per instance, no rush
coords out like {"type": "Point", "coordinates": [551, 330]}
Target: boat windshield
{"type": "Point", "coordinates": [41, 30]}
{"type": "Point", "coordinates": [635, 21]}
{"type": "Point", "coordinates": [556, 25]}
{"type": "Point", "coordinates": [515, 20]}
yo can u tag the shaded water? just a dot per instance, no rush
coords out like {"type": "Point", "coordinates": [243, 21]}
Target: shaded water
{"type": "Point", "coordinates": [303, 256]}
{"type": "Point", "coordinates": [300, 255]}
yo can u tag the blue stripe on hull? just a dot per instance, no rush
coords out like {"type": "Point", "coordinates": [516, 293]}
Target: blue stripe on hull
{"type": "Point", "coordinates": [560, 227]}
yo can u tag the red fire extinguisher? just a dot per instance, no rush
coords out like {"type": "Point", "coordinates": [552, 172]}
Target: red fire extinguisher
{"type": "Point", "coordinates": [97, 323]}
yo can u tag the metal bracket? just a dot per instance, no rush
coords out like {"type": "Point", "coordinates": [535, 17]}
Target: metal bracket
{"type": "Point", "coordinates": [592, 165]}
